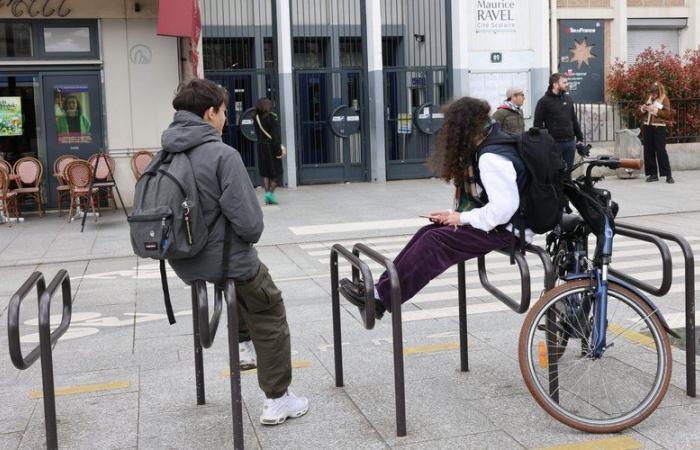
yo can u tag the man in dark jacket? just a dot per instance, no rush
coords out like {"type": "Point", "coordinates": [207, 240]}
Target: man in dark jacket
{"type": "Point", "coordinates": [510, 113]}
{"type": "Point", "coordinates": [555, 112]}
{"type": "Point", "coordinates": [228, 199]}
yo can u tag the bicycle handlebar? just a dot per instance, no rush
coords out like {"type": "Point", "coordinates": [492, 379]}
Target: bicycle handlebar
{"type": "Point", "coordinates": [635, 164]}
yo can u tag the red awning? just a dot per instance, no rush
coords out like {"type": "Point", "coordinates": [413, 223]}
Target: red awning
{"type": "Point", "coordinates": [177, 18]}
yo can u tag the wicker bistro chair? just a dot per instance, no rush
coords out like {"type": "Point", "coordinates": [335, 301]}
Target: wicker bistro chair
{"type": "Point", "coordinates": [8, 197]}
{"type": "Point", "coordinates": [29, 173]}
{"type": "Point", "coordinates": [79, 176]}
{"type": "Point", "coordinates": [139, 161]}
{"type": "Point", "coordinates": [103, 181]}
{"type": "Point", "coordinates": [59, 172]}
{"type": "Point", "coordinates": [5, 165]}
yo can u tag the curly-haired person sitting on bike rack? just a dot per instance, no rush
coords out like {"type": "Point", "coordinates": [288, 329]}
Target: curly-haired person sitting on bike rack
{"type": "Point", "coordinates": [489, 177]}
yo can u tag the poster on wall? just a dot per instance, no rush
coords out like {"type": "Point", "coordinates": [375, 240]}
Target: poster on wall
{"type": "Point", "coordinates": [11, 116]}
{"type": "Point", "coordinates": [581, 54]}
{"type": "Point", "coordinates": [72, 112]}
{"type": "Point", "coordinates": [495, 16]}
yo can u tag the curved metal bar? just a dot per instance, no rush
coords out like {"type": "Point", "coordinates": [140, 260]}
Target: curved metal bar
{"type": "Point", "coordinates": [666, 263]}
{"type": "Point", "coordinates": [61, 279]}
{"type": "Point", "coordinates": [234, 363]}
{"type": "Point", "coordinates": [550, 276]}
{"type": "Point", "coordinates": [19, 361]}
{"type": "Point", "coordinates": [397, 331]}
{"type": "Point", "coordinates": [518, 307]}
{"type": "Point", "coordinates": [368, 313]}
{"type": "Point", "coordinates": [689, 260]}
{"type": "Point", "coordinates": [207, 327]}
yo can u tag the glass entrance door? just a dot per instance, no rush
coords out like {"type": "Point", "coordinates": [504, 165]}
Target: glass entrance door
{"type": "Point", "coordinates": [73, 111]}
{"type": "Point", "coordinates": [18, 117]}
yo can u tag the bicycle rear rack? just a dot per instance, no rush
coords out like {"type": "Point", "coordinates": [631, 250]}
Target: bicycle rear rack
{"type": "Point", "coordinates": [47, 339]}
{"type": "Point", "coordinates": [204, 333]}
{"type": "Point", "coordinates": [359, 267]}
{"type": "Point", "coordinates": [653, 235]}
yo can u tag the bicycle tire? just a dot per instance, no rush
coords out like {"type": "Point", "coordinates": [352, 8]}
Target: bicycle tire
{"type": "Point", "coordinates": [661, 342]}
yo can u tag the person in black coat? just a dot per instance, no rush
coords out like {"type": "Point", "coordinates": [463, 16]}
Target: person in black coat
{"type": "Point", "coordinates": [270, 149]}
{"type": "Point", "coordinates": [555, 112]}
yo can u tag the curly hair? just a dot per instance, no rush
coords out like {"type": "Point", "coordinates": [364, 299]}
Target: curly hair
{"type": "Point", "coordinates": [459, 137]}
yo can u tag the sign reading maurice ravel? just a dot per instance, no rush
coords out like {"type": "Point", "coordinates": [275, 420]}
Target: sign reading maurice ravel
{"type": "Point", "coordinates": [495, 15]}
{"type": "Point", "coordinates": [581, 56]}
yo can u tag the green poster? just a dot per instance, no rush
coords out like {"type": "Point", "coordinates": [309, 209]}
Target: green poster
{"type": "Point", "coordinates": [11, 116]}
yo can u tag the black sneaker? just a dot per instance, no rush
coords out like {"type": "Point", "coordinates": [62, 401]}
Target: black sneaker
{"type": "Point", "coordinates": [651, 178]}
{"type": "Point", "coordinates": [355, 294]}
{"type": "Point", "coordinates": [670, 180]}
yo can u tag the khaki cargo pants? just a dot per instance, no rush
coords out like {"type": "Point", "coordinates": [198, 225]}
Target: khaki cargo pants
{"type": "Point", "coordinates": [262, 318]}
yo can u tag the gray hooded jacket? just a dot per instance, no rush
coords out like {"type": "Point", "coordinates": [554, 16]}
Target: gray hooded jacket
{"type": "Point", "coordinates": [225, 192]}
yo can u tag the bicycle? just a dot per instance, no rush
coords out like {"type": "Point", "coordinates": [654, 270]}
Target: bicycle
{"type": "Point", "coordinates": [593, 352]}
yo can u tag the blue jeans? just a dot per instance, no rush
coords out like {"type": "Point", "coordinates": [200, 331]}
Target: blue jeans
{"type": "Point", "coordinates": [568, 151]}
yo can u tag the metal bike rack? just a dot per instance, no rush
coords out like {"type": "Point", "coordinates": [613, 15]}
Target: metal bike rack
{"type": "Point", "coordinates": [359, 267]}
{"type": "Point", "coordinates": [647, 234]}
{"type": "Point", "coordinates": [204, 333]}
{"type": "Point", "coordinates": [368, 317]}
{"type": "Point", "coordinates": [47, 338]}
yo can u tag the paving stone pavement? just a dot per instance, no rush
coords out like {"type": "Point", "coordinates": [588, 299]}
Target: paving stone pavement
{"type": "Point", "coordinates": [128, 377]}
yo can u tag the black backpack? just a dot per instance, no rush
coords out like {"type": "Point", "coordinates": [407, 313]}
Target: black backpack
{"type": "Point", "coordinates": [543, 200]}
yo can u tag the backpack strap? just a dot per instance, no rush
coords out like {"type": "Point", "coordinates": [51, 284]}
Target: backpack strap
{"type": "Point", "coordinates": [166, 293]}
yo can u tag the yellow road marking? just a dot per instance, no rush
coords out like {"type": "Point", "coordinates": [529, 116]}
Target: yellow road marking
{"type": "Point", "coordinates": [617, 443]}
{"type": "Point", "coordinates": [83, 389]}
{"type": "Point", "coordinates": [298, 364]}
{"type": "Point", "coordinates": [630, 335]}
{"type": "Point", "coordinates": [431, 348]}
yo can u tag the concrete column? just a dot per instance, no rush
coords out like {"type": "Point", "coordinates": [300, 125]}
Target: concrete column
{"type": "Point", "coordinates": [540, 44]}
{"type": "Point", "coordinates": [554, 36]}
{"type": "Point", "coordinates": [690, 37]}
{"type": "Point", "coordinates": [286, 87]}
{"type": "Point", "coordinates": [618, 38]}
{"type": "Point", "coordinates": [460, 47]}
{"type": "Point", "coordinates": [374, 98]}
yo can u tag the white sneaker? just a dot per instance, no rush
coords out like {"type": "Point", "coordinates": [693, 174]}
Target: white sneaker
{"type": "Point", "coordinates": [246, 353]}
{"type": "Point", "coordinates": [276, 411]}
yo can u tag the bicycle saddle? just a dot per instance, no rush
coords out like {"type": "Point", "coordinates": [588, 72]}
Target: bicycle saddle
{"type": "Point", "coordinates": [569, 222]}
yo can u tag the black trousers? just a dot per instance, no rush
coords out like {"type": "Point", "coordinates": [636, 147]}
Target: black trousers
{"type": "Point", "coordinates": [655, 149]}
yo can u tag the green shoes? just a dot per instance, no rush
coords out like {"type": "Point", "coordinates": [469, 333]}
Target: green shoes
{"type": "Point", "coordinates": [270, 198]}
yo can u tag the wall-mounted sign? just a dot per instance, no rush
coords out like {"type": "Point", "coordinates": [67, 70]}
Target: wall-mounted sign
{"type": "Point", "coordinates": [140, 54]}
{"type": "Point", "coordinates": [344, 121]}
{"type": "Point", "coordinates": [428, 118]}
{"type": "Point", "coordinates": [246, 125]}
{"type": "Point", "coordinates": [404, 123]}
{"type": "Point", "coordinates": [36, 8]}
{"type": "Point", "coordinates": [581, 56]}
{"type": "Point", "coordinates": [496, 57]}
{"type": "Point", "coordinates": [495, 15]}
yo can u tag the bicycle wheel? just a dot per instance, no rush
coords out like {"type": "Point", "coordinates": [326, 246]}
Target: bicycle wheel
{"type": "Point", "coordinates": [597, 395]}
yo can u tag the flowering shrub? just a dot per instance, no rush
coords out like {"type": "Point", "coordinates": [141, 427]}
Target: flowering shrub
{"type": "Point", "coordinates": [628, 85]}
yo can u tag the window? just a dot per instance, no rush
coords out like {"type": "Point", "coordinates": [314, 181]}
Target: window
{"type": "Point", "coordinates": [15, 40]}
{"type": "Point", "coordinates": [49, 39]}
{"type": "Point", "coordinates": [67, 40]}
{"type": "Point", "coordinates": [228, 53]}
{"type": "Point", "coordinates": [309, 53]}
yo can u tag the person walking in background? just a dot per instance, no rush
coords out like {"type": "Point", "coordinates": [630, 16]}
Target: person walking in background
{"type": "Point", "coordinates": [270, 149]}
{"type": "Point", "coordinates": [555, 112]}
{"type": "Point", "coordinates": [656, 115]}
{"type": "Point", "coordinates": [510, 113]}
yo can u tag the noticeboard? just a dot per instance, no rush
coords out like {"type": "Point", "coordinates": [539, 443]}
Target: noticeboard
{"type": "Point", "coordinates": [404, 123]}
